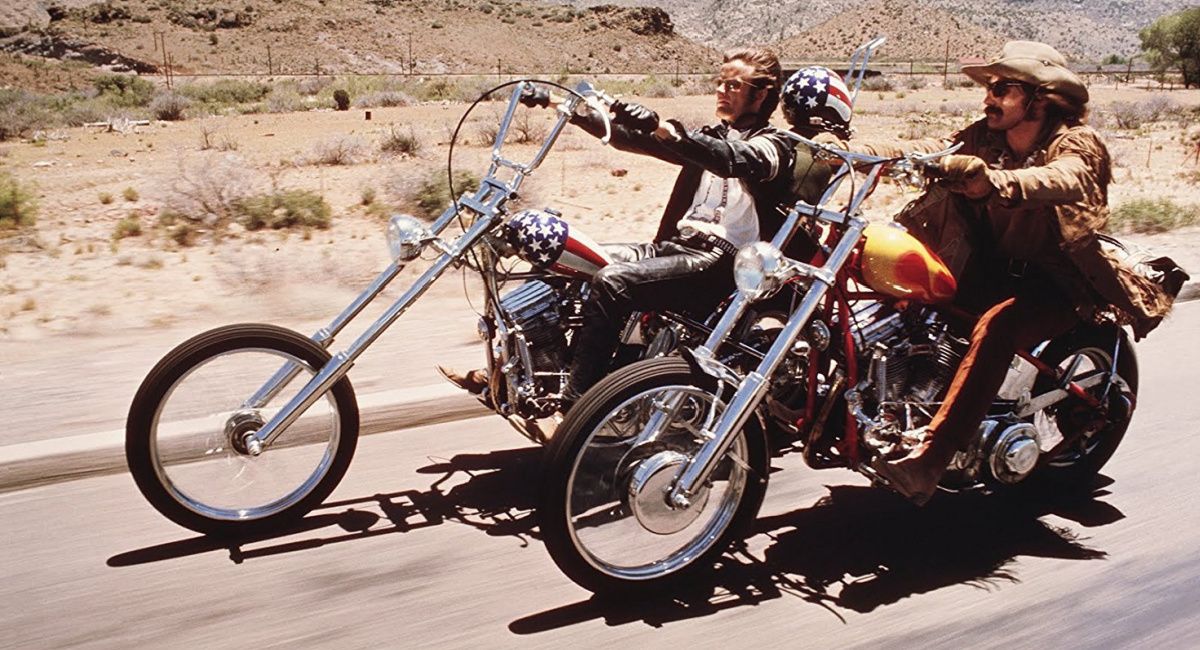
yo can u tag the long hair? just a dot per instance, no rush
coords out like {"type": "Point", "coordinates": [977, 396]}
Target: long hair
{"type": "Point", "coordinates": [767, 72]}
{"type": "Point", "coordinates": [1060, 108]}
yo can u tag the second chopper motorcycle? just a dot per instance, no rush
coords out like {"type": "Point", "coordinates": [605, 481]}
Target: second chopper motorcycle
{"type": "Point", "coordinates": [664, 464]}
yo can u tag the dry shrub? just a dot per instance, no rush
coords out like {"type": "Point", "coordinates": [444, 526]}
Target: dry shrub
{"type": "Point", "coordinates": [400, 143]}
{"type": "Point", "coordinates": [284, 101]}
{"type": "Point", "coordinates": [21, 114]}
{"type": "Point", "coordinates": [427, 194]}
{"type": "Point", "coordinates": [338, 150]}
{"type": "Point", "coordinates": [919, 129]}
{"type": "Point", "coordinates": [281, 209]}
{"type": "Point", "coordinates": [528, 127]}
{"type": "Point", "coordinates": [1132, 115]}
{"type": "Point", "coordinates": [959, 109]}
{"type": "Point", "coordinates": [18, 207]}
{"type": "Point", "coordinates": [127, 227]}
{"type": "Point", "coordinates": [878, 83]}
{"type": "Point", "coordinates": [385, 99]}
{"type": "Point", "coordinates": [170, 107]}
{"type": "Point", "coordinates": [204, 192]}
{"type": "Point", "coordinates": [659, 88]}
{"type": "Point", "coordinates": [1152, 215]}
{"type": "Point", "coordinates": [313, 85]}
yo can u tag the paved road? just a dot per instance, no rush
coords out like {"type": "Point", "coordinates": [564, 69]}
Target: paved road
{"type": "Point", "coordinates": [429, 541]}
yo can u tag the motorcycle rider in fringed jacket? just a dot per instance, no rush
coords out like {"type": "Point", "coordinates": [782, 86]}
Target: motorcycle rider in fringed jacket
{"type": "Point", "coordinates": [1017, 222]}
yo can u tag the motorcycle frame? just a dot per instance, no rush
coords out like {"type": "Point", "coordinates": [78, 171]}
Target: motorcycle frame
{"type": "Point", "coordinates": [484, 209]}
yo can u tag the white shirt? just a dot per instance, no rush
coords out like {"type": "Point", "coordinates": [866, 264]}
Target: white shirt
{"type": "Point", "coordinates": [724, 206]}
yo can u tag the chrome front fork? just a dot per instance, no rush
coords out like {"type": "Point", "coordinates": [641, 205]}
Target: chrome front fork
{"type": "Point", "coordinates": [753, 387]}
{"type": "Point", "coordinates": [340, 364]}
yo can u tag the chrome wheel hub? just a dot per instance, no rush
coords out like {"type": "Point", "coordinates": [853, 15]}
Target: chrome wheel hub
{"type": "Point", "coordinates": [649, 490]}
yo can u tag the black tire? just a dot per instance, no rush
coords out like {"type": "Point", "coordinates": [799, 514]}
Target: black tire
{"type": "Point", "coordinates": [176, 477]}
{"type": "Point", "coordinates": [571, 439]}
{"type": "Point", "coordinates": [1077, 466]}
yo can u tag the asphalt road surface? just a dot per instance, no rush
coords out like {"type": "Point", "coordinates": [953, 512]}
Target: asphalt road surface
{"type": "Point", "coordinates": [430, 541]}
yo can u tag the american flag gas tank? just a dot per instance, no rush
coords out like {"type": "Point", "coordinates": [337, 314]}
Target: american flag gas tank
{"type": "Point", "coordinates": [546, 241]}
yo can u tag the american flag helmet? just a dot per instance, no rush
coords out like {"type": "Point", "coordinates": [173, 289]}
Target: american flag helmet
{"type": "Point", "coordinates": [817, 97]}
{"type": "Point", "coordinates": [548, 242]}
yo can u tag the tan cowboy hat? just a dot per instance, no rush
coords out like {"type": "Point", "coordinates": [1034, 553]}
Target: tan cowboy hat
{"type": "Point", "coordinates": [1034, 63]}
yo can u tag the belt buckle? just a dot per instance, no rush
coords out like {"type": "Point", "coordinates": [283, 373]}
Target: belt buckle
{"type": "Point", "coordinates": [1017, 268]}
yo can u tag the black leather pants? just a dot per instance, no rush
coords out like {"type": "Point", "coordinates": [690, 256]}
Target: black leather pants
{"type": "Point", "coordinates": [666, 275]}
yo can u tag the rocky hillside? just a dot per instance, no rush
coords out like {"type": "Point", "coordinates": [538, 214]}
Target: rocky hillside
{"type": "Point", "coordinates": [348, 36]}
{"type": "Point", "coordinates": [912, 34]}
{"type": "Point", "coordinates": [1085, 29]}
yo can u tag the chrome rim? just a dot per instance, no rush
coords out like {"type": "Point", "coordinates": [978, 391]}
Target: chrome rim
{"type": "Point", "coordinates": [198, 463]}
{"type": "Point", "coordinates": [602, 515]}
{"type": "Point", "coordinates": [1047, 423]}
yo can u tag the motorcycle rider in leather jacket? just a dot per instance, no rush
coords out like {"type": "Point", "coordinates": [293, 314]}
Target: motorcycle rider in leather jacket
{"type": "Point", "coordinates": [737, 180]}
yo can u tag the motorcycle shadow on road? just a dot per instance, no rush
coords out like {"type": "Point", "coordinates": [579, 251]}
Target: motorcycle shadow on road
{"type": "Point", "coordinates": [859, 548]}
{"type": "Point", "coordinates": [494, 492]}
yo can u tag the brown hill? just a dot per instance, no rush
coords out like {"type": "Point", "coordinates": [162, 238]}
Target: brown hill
{"type": "Point", "coordinates": [912, 33]}
{"type": "Point", "coordinates": [372, 36]}
{"type": "Point", "coordinates": [1087, 30]}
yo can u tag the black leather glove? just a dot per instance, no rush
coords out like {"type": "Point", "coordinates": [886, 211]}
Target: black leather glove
{"type": "Point", "coordinates": [535, 97]}
{"type": "Point", "coordinates": [634, 116]}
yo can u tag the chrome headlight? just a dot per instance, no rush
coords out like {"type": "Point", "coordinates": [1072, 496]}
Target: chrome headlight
{"type": "Point", "coordinates": [757, 269]}
{"type": "Point", "coordinates": [406, 237]}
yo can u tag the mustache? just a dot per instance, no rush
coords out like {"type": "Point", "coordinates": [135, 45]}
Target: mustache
{"type": "Point", "coordinates": [992, 110]}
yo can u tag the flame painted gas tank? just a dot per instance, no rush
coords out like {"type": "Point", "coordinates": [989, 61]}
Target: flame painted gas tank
{"type": "Point", "coordinates": [548, 242]}
{"type": "Point", "coordinates": [896, 264]}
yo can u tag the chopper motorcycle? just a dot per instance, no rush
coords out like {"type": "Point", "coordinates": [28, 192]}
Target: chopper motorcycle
{"type": "Point", "coordinates": [248, 427]}
{"type": "Point", "coordinates": [664, 464]}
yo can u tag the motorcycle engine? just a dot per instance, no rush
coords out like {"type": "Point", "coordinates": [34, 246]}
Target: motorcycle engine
{"type": "Point", "coordinates": [534, 354]}
{"type": "Point", "coordinates": [912, 359]}
{"type": "Point", "coordinates": [918, 353]}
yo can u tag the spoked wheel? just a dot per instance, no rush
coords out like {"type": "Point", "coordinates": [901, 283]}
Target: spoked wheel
{"type": "Point", "coordinates": [604, 513]}
{"type": "Point", "coordinates": [1100, 433]}
{"type": "Point", "coordinates": [185, 435]}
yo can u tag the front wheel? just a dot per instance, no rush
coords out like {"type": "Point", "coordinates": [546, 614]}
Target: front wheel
{"type": "Point", "coordinates": [184, 435]}
{"type": "Point", "coordinates": [603, 511]}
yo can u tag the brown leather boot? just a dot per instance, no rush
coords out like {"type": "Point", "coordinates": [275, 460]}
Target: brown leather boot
{"type": "Point", "coordinates": [472, 381]}
{"type": "Point", "coordinates": [912, 476]}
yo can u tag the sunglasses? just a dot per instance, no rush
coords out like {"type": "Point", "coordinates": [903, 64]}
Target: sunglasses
{"type": "Point", "coordinates": [999, 89]}
{"type": "Point", "coordinates": [732, 85]}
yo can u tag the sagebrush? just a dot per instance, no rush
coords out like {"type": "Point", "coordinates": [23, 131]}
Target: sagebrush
{"type": "Point", "coordinates": [18, 205]}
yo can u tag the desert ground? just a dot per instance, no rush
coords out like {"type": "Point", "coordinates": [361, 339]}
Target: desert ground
{"type": "Point", "coordinates": [84, 315]}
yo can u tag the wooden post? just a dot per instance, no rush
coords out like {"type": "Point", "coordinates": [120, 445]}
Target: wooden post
{"type": "Point", "coordinates": [411, 65]}
{"type": "Point", "coordinates": [270, 63]}
{"type": "Point", "coordinates": [499, 74]}
{"type": "Point", "coordinates": [946, 64]}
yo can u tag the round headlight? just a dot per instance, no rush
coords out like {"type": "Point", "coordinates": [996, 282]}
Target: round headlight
{"type": "Point", "coordinates": [405, 237]}
{"type": "Point", "coordinates": [756, 269]}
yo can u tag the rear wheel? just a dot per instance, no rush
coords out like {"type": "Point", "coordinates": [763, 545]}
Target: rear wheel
{"type": "Point", "coordinates": [1099, 432]}
{"type": "Point", "coordinates": [604, 515]}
